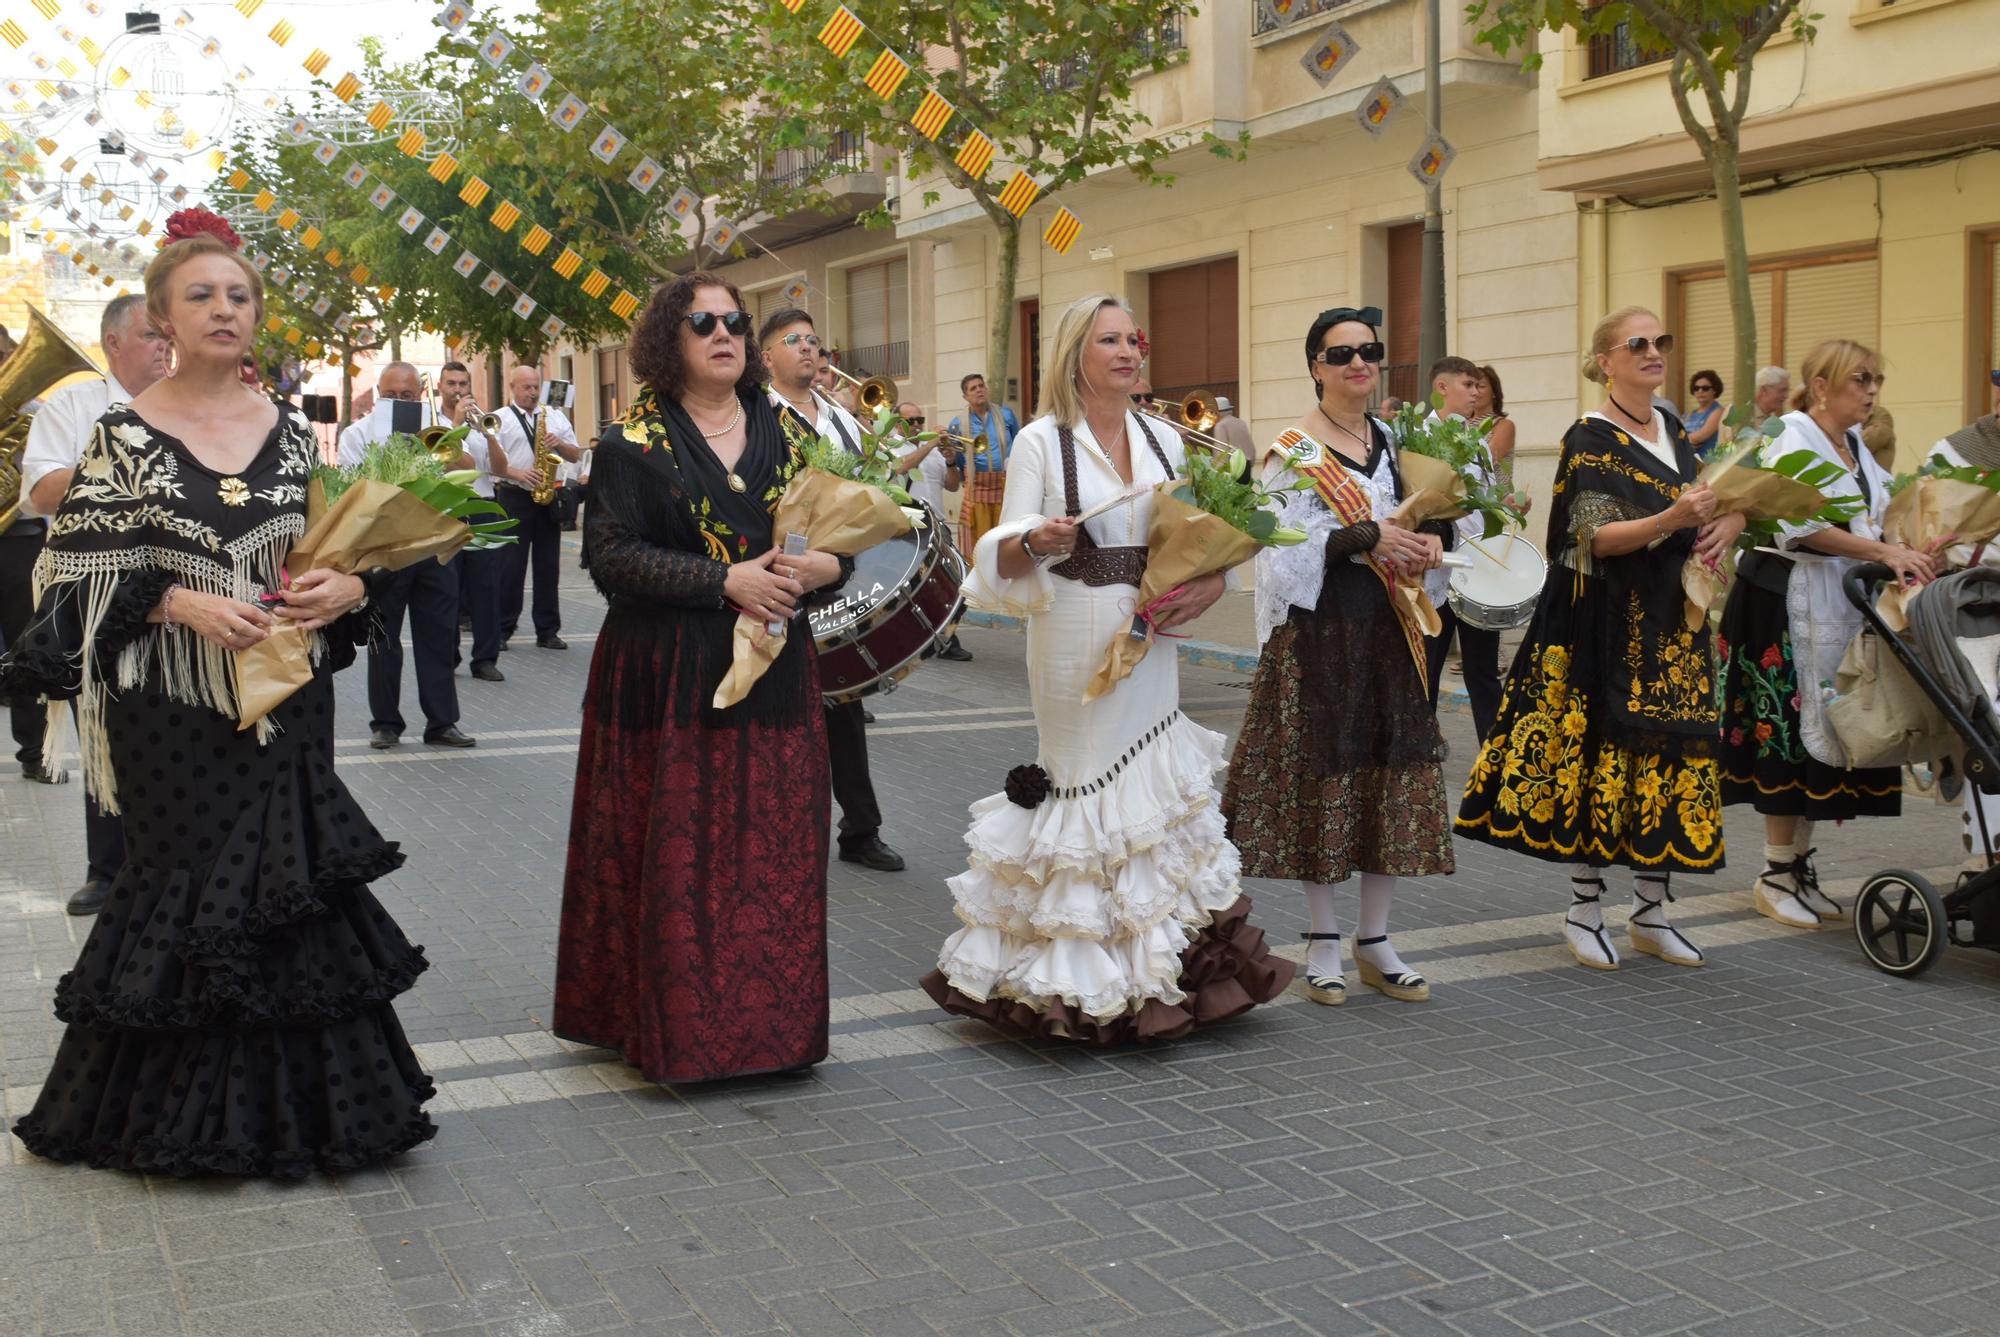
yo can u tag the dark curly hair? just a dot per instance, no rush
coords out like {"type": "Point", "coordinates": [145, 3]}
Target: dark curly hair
{"type": "Point", "coordinates": [656, 339]}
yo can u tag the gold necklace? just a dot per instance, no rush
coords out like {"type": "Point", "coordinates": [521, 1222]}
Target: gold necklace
{"type": "Point", "coordinates": [736, 483]}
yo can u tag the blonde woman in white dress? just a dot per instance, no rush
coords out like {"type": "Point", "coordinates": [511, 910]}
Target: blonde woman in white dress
{"type": "Point", "coordinates": [1101, 902]}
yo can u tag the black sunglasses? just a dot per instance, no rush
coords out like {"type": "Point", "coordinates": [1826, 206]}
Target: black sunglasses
{"type": "Point", "coordinates": [703, 322]}
{"type": "Point", "coordinates": [1639, 342]}
{"type": "Point", "coordinates": [916, 421]}
{"type": "Point", "coordinates": [1704, 385]}
{"type": "Point", "coordinates": [1341, 354]}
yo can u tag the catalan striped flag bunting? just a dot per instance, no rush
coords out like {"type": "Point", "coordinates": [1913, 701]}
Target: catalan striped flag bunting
{"type": "Point", "coordinates": [933, 115]}
{"type": "Point", "coordinates": [793, 5]}
{"type": "Point", "coordinates": [886, 75]}
{"type": "Point", "coordinates": [283, 31]}
{"type": "Point", "coordinates": [536, 239]}
{"type": "Point", "coordinates": [506, 216]}
{"type": "Point", "coordinates": [841, 31]}
{"type": "Point", "coordinates": [360, 274]}
{"type": "Point", "coordinates": [1020, 194]}
{"type": "Point", "coordinates": [380, 115]}
{"type": "Point", "coordinates": [14, 34]}
{"type": "Point", "coordinates": [595, 285]}
{"type": "Point", "coordinates": [247, 8]}
{"type": "Point", "coordinates": [50, 8]}
{"type": "Point", "coordinates": [444, 168]}
{"type": "Point", "coordinates": [317, 62]}
{"type": "Point", "coordinates": [238, 179]}
{"type": "Point", "coordinates": [1062, 232]}
{"type": "Point", "coordinates": [625, 305]}
{"type": "Point", "coordinates": [311, 238]}
{"type": "Point", "coordinates": [975, 155]}
{"type": "Point", "coordinates": [567, 263]}
{"type": "Point", "coordinates": [265, 199]}
{"type": "Point", "coordinates": [474, 191]}
{"type": "Point", "coordinates": [348, 88]}
{"type": "Point", "coordinates": [411, 141]}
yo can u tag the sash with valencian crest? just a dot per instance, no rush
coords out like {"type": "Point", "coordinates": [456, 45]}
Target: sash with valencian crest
{"type": "Point", "coordinates": [1345, 497]}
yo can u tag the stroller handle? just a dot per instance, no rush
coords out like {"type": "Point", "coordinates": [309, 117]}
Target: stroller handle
{"type": "Point", "coordinates": [1982, 762]}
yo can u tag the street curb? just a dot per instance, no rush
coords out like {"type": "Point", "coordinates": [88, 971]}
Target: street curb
{"type": "Point", "coordinates": [1201, 654]}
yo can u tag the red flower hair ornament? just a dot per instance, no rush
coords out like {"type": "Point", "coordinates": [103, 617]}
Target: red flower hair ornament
{"type": "Point", "coordinates": [185, 223]}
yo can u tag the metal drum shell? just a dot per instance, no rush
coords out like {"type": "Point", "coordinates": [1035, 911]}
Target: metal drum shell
{"type": "Point", "coordinates": [1492, 616]}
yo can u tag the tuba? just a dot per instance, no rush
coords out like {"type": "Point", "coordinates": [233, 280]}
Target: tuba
{"type": "Point", "coordinates": [546, 461]}
{"type": "Point", "coordinates": [44, 356]}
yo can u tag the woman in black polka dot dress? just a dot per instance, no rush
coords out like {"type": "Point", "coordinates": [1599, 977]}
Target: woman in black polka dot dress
{"type": "Point", "coordinates": [230, 1012]}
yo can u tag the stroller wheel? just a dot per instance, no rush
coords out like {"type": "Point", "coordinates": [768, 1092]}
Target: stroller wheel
{"type": "Point", "coordinates": [1900, 922]}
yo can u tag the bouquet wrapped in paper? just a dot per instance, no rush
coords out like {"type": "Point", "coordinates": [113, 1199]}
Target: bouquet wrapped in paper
{"type": "Point", "coordinates": [1209, 521]}
{"type": "Point", "coordinates": [1784, 490]}
{"type": "Point", "coordinates": [842, 503]}
{"type": "Point", "coordinates": [397, 508]}
{"type": "Point", "coordinates": [1947, 509]}
{"type": "Point", "coordinates": [1447, 470]}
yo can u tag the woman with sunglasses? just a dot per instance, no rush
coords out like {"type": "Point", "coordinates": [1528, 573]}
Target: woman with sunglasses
{"type": "Point", "coordinates": [1102, 903]}
{"type": "Point", "coordinates": [1769, 730]}
{"type": "Point", "coordinates": [1605, 749]}
{"type": "Point", "coordinates": [1704, 425]}
{"type": "Point", "coordinates": [694, 902]}
{"type": "Point", "coordinates": [1337, 770]}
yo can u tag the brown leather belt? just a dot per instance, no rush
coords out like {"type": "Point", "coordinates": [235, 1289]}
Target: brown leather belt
{"type": "Point", "coordinates": [1098, 567]}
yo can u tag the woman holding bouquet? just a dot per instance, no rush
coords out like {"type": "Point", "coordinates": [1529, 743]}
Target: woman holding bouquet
{"type": "Point", "coordinates": [1605, 749]}
{"type": "Point", "coordinates": [230, 1011]}
{"type": "Point", "coordinates": [1337, 770]}
{"type": "Point", "coordinates": [1765, 761]}
{"type": "Point", "coordinates": [694, 902]}
{"type": "Point", "coordinates": [1102, 902]}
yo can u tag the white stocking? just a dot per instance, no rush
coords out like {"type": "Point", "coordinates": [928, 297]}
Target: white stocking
{"type": "Point", "coordinates": [1377, 890]}
{"type": "Point", "coordinates": [1322, 957]}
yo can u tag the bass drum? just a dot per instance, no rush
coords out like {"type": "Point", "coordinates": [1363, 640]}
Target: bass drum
{"type": "Point", "coordinates": [898, 607]}
{"type": "Point", "coordinates": [1499, 583]}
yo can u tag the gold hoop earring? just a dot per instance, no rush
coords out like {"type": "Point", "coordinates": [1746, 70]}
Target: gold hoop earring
{"type": "Point", "coordinates": [173, 359]}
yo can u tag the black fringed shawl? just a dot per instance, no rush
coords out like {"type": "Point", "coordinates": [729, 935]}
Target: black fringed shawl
{"type": "Point", "coordinates": [664, 527]}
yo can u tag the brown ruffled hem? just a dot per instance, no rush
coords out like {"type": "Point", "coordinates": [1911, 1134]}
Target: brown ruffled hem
{"type": "Point", "coordinates": [1228, 969]}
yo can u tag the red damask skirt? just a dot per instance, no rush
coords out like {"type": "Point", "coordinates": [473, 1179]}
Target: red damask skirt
{"type": "Point", "coordinates": [694, 902]}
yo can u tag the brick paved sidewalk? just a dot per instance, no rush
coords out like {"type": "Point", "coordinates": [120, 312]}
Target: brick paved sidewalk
{"type": "Point", "coordinates": [1785, 1141]}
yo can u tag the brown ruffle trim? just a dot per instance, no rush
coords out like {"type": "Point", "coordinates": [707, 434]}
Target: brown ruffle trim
{"type": "Point", "coordinates": [1226, 970]}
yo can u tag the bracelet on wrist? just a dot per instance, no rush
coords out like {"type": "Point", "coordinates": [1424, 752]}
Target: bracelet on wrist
{"type": "Point", "coordinates": [167, 604]}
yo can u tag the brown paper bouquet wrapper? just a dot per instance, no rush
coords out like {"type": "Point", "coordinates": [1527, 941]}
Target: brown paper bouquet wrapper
{"type": "Point", "coordinates": [1926, 512]}
{"type": "Point", "coordinates": [1754, 494]}
{"type": "Point", "coordinates": [372, 525]}
{"type": "Point", "coordinates": [1423, 474]}
{"type": "Point", "coordinates": [836, 515]}
{"type": "Point", "coordinates": [1183, 543]}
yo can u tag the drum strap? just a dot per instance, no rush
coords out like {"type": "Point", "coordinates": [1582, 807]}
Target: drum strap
{"type": "Point", "coordinates": [1344, 495]}
{"type": "Point", "coordinates": [1090, 564]}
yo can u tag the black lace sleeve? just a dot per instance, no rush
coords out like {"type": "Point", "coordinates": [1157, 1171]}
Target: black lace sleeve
{"type": "Point", "coordinates": [626, 566]}
{"type": "Point", "coordinates": [48, 661]}
{"type": "Point", "coordinates": [1344, 542]}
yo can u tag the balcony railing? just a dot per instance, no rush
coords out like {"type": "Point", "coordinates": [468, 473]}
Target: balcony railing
{"type": "Point", "coordinates": [1167, 37]}
{"type": "Point", "coordinates": [789, 168]}
{"type": "Point", "coordinates": [1269, 20]}
{"type": "Point", "coordinates": [1616, 51]}
{"type": "Point", "coordinates": [877, 359]}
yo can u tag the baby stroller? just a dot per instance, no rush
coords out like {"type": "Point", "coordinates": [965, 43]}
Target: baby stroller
{"type": "Point", "coordinates": [1901, 921]}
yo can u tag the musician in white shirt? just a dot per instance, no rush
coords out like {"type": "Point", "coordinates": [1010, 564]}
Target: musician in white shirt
{"type": "Point", "coordinates": [792, 352]}
{"type": "Point", "coordinates": [427, 591]}
{"type": "Point", "coordinates": [135, 356]}
{"type": "Point", "coordinates": [929, 470]}
{"type": "Point", "coordinates": [481, 573]}
{"type": "Point", "coordinates": [1457, 380]}
{"type": "Point", "coordinates": [511, 462]}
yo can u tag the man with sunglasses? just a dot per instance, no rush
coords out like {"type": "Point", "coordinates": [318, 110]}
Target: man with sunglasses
{"type": "Point", "coordinates": [511, 461]}
{"type": "Point", "coordinates": [793, 353]}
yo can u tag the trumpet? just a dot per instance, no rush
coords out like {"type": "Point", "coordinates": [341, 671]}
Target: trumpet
{"type": "Point", "coordinates": [872, 394]}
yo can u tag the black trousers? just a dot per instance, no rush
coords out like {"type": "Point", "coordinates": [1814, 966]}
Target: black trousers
{"type": "Point", "coordinates": [538, 546]}
{"type": "Point", "coordinates": [480, 576]}
{"type": "Point", "coordinates": [853, 790]}
{"type": "Point", "coordinates": [429, 594]}
{"type": "Point", "coordinates": [17, 608]}
{"type": "Point", "coordinates": [1480, 652]}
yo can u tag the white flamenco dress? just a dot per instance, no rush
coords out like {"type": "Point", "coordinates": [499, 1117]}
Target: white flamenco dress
{"type": "Point", "coordinates": [1110, 911]}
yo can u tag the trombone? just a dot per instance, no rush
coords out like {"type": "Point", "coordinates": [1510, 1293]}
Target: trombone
{"type": "Point", "coordinates": [431, 437]}
{"type": "Point", "coordinates": [872, 394]}
{"type": "Point", "coordinates": [1192, 418]}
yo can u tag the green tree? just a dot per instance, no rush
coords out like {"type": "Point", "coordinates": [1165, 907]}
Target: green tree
{"type": "Point", "coordinates": [684, 80]}
{"type": "Point", "coordinates": [1049, 81]}
{"type": "Point", "coordinates": [1713, 45]}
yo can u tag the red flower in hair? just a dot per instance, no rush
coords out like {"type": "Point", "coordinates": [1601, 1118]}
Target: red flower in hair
{"type": "Point", "coordinates": [185, 223]}
{"type": "Point", "coordinates": [1145, 345]}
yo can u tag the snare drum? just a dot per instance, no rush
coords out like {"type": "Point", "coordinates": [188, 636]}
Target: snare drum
{"type": "Point", "coordinates": [1494, 586]}
{"type": "Point", "coordinates": [894, 612]}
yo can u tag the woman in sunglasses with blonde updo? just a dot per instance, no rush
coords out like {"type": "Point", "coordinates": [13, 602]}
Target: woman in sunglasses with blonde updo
{"type": "Point", "coordinates": [1605, 749]}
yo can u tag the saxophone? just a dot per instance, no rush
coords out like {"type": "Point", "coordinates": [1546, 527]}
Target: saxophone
{"type": "Point", "coordinates": [546, 460]}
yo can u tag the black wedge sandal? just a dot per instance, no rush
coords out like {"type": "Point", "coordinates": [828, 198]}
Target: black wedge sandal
{"type": "Point", "coordinates": [1328, 989]}
{"type": "Point", "coordinates": [1654, 940]}
{"type": "Point", "coordinates": [1405, 986]}
{"type": "Point", "coordinates": [1576, 898]}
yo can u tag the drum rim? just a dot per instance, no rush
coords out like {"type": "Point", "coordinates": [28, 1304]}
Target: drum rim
{"type": "Point", "coordinates": [903, 667]}
{"type": "Point", "coordinates": [918, 577]}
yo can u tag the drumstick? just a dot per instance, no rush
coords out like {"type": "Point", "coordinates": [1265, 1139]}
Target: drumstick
{"type": "Point", "coordinates": [1123, 499]}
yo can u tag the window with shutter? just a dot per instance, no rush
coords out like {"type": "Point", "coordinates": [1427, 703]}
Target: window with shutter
{"type": "Point", "coordinates": [1799, 302]}
{"type": "Point", "coordinates": [878, 318]}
